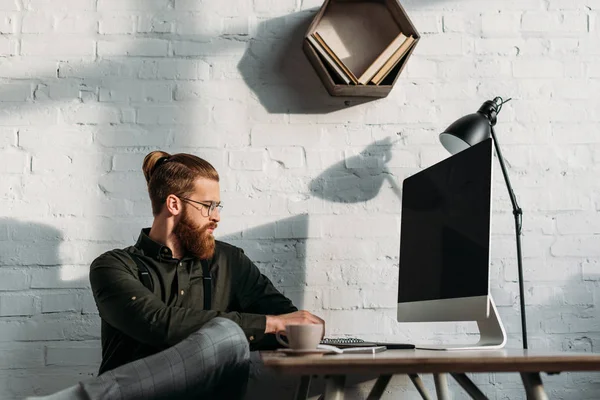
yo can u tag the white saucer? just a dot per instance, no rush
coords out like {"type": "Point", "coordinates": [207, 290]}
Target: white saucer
{"type": "Point", "coordinates": [293, 352]}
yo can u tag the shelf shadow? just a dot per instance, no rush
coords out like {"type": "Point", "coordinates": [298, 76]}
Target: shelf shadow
{"type": "Point", "coordinates": [278, 72]}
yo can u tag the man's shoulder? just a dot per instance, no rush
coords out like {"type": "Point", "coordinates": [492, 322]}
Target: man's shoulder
{"type": "Point", "coordinates": [233, 259]}
{"type": "Point", "coordinates": [116, 257]}
{"type": "Point", "coordinates": [227, 249]}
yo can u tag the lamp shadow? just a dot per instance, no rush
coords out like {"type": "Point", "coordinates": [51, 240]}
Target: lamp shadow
{"type": "Point", "coordinates": [358, 178]}
{"type": "Point", "coordinates": [278, 72]}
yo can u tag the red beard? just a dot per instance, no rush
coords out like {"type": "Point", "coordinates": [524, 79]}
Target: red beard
{"type": "Point", "coordinates": [193, 238]}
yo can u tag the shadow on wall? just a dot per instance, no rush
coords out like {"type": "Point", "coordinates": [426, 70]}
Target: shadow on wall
{"type": "Point", "coordinates": [40, 309]}
{"type": "Point", "coordinates": [113, 112]}
{"type": "Point", "coordinates": [589, 340]}
{"type": "Point", "coordinates": [358, 178]}
{"type": "Point", "coordinates": [279, 250]}
{"type": "Point", "coordinates": [562, 314]}
{"type": "Point", "coordinates": [276, 69]}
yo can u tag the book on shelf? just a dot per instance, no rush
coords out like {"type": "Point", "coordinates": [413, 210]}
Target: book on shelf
{"type": "Point", "coordinates": [350, 39]}
{"type": "Point", "coordinates": [335, 58]}
{"type": "Point", "coordinates": [393, 61]}
{"type": "Point", "coordinates": [376, 65]}
{"type": "Point", "coordinates": [357, 32]}
{"type": "Point", "coordinates": [329, 60]}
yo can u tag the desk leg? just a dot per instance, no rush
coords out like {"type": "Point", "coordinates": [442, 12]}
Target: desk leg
{"type": "Point", "coordinates": [334, 387]}
{"type": "Point", "coordinates": [441, 386]}
{"type": "Point", "coordinates": [302, 388]}
{"type": "Point", "coordinates": [467, 384]}
{"type": "Point", "coordinates": [379, 387]}
{"type": "Point", "coordinates": [416, 380]}
{"type": "Point", "coordinates": [533, 386]}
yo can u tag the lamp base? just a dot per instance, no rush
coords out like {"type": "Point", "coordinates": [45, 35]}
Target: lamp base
{"type": "Point", "coordinates": [491, 332]}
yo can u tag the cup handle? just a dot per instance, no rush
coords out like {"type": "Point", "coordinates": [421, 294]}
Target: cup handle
{"type": "Point", "coordinates": [280, 340]}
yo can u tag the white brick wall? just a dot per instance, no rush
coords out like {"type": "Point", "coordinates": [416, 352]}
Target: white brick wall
{"type": "Point", "coordinates": [90, 86]}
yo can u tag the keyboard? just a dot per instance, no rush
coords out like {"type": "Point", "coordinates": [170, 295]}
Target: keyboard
{"type": "Point", "coordinates": [343, 343]}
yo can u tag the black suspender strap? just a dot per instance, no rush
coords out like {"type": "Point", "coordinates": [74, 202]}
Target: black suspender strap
{"type": "Point", "coordinates": [207, 284]}
{"type": "Point", "coordinates": [146, 279]}
{"type": "Point", "coordinates": [143, 273]}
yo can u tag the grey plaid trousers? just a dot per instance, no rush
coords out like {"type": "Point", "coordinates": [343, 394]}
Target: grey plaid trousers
{"type": "Point", "coordinates": [211, 363]}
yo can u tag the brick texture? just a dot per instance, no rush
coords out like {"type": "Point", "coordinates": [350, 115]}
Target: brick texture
{"type": "Point", "coordinates": [311, 184]}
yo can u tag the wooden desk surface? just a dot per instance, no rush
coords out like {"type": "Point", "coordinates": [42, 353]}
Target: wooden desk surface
{"type": "Point", "coordinates": [428, 361]}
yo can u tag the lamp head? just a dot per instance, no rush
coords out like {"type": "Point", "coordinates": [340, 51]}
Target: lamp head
{"type": "Point", "coordinates": [471, 129]}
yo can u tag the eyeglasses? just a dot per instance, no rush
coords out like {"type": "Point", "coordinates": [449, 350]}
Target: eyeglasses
{"type": "Point", "coordinates": [211, 205]}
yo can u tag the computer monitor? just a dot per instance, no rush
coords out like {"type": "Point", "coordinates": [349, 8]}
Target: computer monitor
{"type": "Point", "coordinates": [445, 246]}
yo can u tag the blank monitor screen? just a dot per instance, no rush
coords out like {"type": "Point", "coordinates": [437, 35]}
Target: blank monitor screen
{"type": "Point", "coordinates": [445, 228]}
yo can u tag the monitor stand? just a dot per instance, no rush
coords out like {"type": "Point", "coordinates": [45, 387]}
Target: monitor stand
{"type": "Point", "coordinates": [491, 332]}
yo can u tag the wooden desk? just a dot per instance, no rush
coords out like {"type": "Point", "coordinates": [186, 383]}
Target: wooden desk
{"type": "Point", "coordinates": [529, 363]}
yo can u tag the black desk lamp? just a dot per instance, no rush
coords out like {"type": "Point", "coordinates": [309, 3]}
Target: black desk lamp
{"type": "Point", "coordinates": [470, 130]}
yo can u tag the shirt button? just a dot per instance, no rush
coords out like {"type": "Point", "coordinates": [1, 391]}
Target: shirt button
{"type": "Point", "coordinates": [251, 338]}
{"type": "Point", "coordinates": [182, 292]}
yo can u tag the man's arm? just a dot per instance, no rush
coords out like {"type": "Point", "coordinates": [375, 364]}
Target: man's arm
{"type": "Point", "coordinates": [256, 294]}
{"type": "Point", "coordinates": [127, 305]}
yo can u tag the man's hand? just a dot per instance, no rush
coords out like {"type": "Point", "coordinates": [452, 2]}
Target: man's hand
{"type": "Point", "coordinates": [277, 323]}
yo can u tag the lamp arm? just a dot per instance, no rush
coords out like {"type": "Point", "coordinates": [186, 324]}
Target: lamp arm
{"type": "Point", "coordinates": [511, 193]}
{"type": "Point", "coordinates": [518, 213]}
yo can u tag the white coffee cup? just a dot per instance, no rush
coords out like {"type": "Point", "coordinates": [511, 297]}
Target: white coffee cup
{"type": "Point", "coordinates": [301, 337]}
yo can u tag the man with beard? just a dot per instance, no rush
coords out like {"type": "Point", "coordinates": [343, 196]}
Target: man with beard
{"type": "Point", "coordinates": [180, 310]}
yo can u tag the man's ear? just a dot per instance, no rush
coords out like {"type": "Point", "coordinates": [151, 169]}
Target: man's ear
{"type": "Point", "coordinates": [173, 205]}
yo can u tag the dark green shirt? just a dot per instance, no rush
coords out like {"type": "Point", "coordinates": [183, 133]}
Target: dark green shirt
{"type": "Point", "coordinates": [137, 322]}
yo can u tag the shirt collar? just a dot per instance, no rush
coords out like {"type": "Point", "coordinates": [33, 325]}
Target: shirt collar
{"type": "Point", "coordinates": [151, 248]}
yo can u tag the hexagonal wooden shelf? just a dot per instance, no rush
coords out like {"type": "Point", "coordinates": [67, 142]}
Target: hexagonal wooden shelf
{"type": "Point", "coordinates": [363, 29]}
